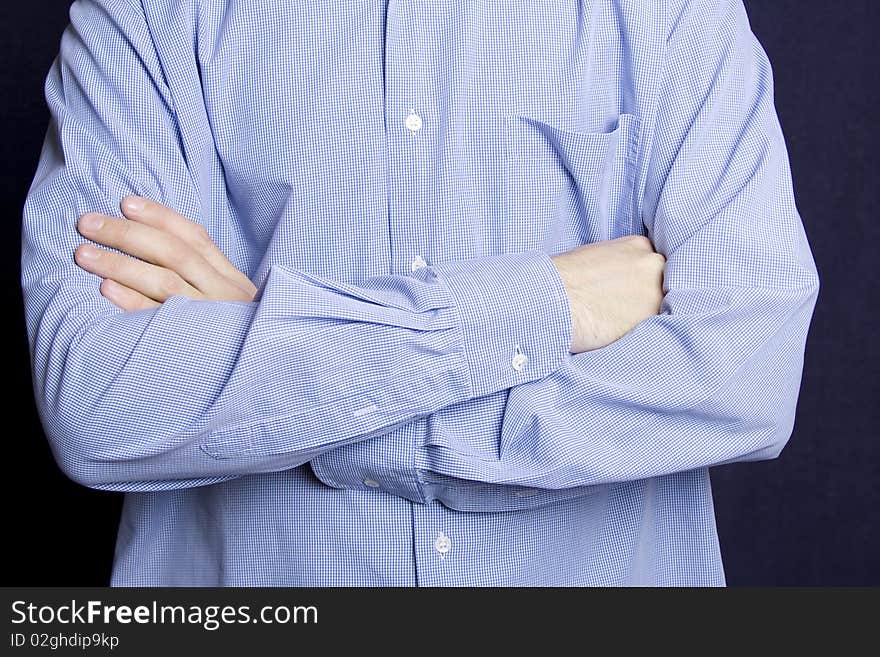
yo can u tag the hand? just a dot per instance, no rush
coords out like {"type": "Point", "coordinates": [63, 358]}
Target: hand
{"type": "Point", "coordinates": [612, 286]}
{"type": "Point", "coordinates": [172, 255]}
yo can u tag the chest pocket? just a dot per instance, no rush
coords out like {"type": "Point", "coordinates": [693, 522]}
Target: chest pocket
{"type": "Point", "coordinates": [566, 187]}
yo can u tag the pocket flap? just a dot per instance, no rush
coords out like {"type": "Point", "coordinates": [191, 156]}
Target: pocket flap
{"type": "Point", "coordinates": [580, 151]}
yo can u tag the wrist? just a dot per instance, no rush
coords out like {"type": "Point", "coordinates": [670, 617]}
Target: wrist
{"type": "Point", "coordinates": [570, 294]}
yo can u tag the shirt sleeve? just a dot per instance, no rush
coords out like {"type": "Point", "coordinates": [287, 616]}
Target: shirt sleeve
{"type": "Point", "coordinates": [714, 377]}
{"type": "Point", "coordinates": [196, 392]}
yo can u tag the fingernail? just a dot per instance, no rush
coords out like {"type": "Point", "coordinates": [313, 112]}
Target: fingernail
{"type": "Point", "coordinates": [91, 221]}
{"type": "Point", "coordinates": [133, 203]}
{"type": "Point", "coordinates": [88, 252]}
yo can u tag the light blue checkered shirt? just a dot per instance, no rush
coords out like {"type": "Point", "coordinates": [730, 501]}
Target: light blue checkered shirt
{"type": "Point", "coordinates": [398, 405]}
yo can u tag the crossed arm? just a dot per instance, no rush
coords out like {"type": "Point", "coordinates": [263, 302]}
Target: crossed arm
{"type": "Point", "coordinates": [222, 361]}
{"type": "Point", "coordinates": [158, 253]}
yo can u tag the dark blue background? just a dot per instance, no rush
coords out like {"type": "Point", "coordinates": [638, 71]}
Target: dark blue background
{"type": "Point", "coordinates": [808, 517]}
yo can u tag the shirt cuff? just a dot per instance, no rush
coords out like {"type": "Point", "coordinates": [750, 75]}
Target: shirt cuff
{"type": "Point", "coordinates": [514, 315]}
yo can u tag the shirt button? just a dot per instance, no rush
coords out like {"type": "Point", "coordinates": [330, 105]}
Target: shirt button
{"type": "Point", "coordinates": [418, 263]}
{"type": "Point", "coordinates": [519, 359]}
{"type": "Point", "coordinates": [442, 544]}
{"type": "Point", "coordinates": [372, 483]}
{"type": "Point", "coordinates": [413, 122]}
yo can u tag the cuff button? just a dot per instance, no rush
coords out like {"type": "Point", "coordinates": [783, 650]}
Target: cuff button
{"type": "Point", "coordinates": [519, 360]}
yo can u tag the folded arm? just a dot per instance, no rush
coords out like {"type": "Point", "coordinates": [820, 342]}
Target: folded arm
{"type": "Point", "coordinates": [197, 391]}
{"type": "Point", "coordinates": [714, 377]}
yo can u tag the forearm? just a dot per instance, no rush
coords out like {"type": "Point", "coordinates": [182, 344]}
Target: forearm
{"type": "Point", "coordinates": [199, 389]}
{"type": "Point", "coordinates": [664, 399]}
{"type": "Point", "coordinates": [714, 377]}
{"type": "Point", "coordinates": [195, 390]}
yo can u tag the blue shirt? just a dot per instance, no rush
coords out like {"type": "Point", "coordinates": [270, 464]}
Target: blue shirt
{"type": "Point", "coordinates": [398, 405]}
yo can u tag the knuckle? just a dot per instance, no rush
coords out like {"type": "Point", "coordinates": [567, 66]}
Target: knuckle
{"type": "Point", "coordinates": [111, 265]}
{"type": "Point", "coordinates": [121, 230]}
{"type": "Point", "coordinates": [170, 284]}
{"type": "Point", "coordinates": [200, 233]}
{"type": "Point", "coordinates": [641, 241]}
{"type": "Point", "coordinates": [652, 263]}
{"type": "Point", "coordinates": [177, 253]}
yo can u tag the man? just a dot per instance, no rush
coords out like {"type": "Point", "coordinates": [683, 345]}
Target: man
{"type": "Point", "coordinates": [419, 293]}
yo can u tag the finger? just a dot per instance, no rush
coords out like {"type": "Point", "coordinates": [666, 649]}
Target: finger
{"type": "Point", "coordinates": [124, 297]}
{"type": "Point", "coordinates": [154, 246]}
{"type": "Point", "coordinates": [150, 280]}
{"type": "Point", "coordinates": [166, 219]}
